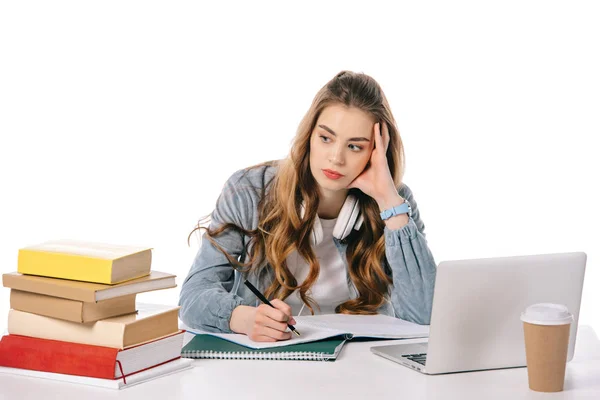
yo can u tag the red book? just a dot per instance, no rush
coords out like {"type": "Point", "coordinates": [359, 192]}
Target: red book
{"type": "Point", "coordinates": [86, 360]}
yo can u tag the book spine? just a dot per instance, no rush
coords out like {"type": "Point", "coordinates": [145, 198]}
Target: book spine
{"type": "Point", "coordinates": [96, 334]}
{"type": "Point", "coordinates": [65, 266]}
{"type": "Point", "coordinates": [48, 287]}
{"type": "Point", "coordinates": [57, 356]}
{"type": "Point", "coordinates": [71, 310]}
{"type": "Point", "coordinates": [55, 307]}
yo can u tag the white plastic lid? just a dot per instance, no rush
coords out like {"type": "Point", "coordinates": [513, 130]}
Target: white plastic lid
{"type": "Point", "coordinates": [547, 314]}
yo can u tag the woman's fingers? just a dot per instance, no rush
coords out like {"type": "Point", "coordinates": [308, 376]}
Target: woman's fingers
{"type": "Point", "coordinates": [382, 137]}
{"type": "Point", "coordinates": [265, 326]}
{"type": "Point", "coordinates": [271, 323]}
{"type": "Point", "coordinates": [285, 308]}
{"type": "Point", "coordinates": [261, 338]}
{"type": "Point", "coordinates": [386, 137]}
{"type": "Point", "coordinates": [275, 334]}
{"type": "Point", "coordinates": [263, 319]}
{"type": "Point", "coordinates": [377, 136]}
{"type": "Point", "coordinates": [275, 319]}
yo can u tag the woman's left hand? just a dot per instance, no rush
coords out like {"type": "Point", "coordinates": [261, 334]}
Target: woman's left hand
{"type": "Point", "coordinates": [376, 179]}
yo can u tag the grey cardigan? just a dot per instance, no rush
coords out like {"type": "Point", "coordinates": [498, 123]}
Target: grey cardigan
{"type": "Point", "coordinates": [212, 288]}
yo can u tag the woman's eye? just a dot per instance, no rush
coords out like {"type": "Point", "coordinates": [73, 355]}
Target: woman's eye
{"type": "Point", "coordinates": [352, 147]}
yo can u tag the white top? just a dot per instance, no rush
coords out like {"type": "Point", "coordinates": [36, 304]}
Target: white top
{"type": "Point", "coordinates": [331, 287]}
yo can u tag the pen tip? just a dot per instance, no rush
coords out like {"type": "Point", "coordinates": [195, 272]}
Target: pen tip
{"type": "Point", "coordinates": [297, 333]}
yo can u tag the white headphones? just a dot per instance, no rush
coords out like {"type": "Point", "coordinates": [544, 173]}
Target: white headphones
{"type": "Point", "coordinates": [349, 218]}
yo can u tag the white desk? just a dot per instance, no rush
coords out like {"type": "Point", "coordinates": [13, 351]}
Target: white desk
{"type": "Point", "coordinates": [357, 374]}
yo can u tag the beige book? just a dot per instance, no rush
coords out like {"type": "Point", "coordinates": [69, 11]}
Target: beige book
{"type": "Point", "coordinates": [85, 261]}
{"type": "Point", "coordinates": [87, 291]}
{"type": "Point", "coordinates": [71, 310]}
{"type": "Point", "coordinates": [149, 323]}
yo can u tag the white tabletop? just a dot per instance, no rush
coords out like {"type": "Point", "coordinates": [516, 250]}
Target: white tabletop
{"type": "Point", "coordinates": [357, 374]}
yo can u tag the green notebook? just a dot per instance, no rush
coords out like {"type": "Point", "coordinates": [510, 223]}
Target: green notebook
{"type": "Point", "coordinates": [208, 346]}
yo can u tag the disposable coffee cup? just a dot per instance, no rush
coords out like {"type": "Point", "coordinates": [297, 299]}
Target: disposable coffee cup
{"type": "Point", "coordinates": [546, 327]}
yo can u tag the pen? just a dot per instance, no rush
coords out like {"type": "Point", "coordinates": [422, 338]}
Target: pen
{"type": "Point", "coordinates": [264, 300]}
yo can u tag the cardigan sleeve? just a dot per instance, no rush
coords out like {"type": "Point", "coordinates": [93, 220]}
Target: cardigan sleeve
{"type": "Point", "coordinates": [412, 266]}
{"type": "Point", "coordinates": [205, 298]}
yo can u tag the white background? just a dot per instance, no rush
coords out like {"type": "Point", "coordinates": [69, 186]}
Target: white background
{"type": "Point", "coordinates": [121, 120]}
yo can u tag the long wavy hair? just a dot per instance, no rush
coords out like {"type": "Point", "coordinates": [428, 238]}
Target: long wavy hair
{"type": "Point", "coordinates": [281, 229]}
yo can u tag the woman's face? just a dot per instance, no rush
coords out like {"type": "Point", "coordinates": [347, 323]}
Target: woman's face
{"type": "Point", "coordinates": [341, 142]}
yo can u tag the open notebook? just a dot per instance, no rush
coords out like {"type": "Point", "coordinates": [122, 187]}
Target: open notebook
{"type": "Point", "coordinates": [317, 327]}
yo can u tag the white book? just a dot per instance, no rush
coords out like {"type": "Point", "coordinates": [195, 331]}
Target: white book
{"type": "Point", "coordinates": [144, 376]}
{"type": "Point", "coordinates": [317, 327]}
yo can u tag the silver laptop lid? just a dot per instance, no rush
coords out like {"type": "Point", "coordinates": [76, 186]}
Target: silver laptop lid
{"type": "Point", "coordinates": [477, 305]}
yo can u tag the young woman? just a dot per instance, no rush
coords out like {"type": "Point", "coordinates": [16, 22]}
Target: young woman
{"type": "Point", "coordinates": [329, 229]}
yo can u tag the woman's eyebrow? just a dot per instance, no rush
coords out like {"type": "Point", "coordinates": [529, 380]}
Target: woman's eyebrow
{"type": "Point", "coordinates": [354, 139]}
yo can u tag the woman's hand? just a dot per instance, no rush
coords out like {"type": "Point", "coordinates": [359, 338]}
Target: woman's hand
{"type": "Point", "coordinates": [376, 179]}
{"type": "Point", "coordinates": [263, 323]}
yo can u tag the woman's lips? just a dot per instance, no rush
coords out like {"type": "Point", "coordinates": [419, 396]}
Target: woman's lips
{"type": "Point", "coordinates": [331, 174]}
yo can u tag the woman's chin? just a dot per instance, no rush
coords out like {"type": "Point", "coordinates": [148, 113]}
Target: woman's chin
{"type": "Point", "coordinates": [333, 186]}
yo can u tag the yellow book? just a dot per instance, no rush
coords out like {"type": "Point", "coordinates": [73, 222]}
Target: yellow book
{"type": "Point", "coordinates": [85, 261]}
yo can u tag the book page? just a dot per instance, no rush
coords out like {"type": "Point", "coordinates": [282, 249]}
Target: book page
{"type": "Point", "coordinates": [308, 333]}
{"type": "Point", "coordinates": [373, 326]}
{"type": "Point", "coordinates": [313, 328]}
{"type": "Point", "coordinates": [87, 249]}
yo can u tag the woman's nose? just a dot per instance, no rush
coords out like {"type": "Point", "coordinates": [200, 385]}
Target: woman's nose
{"type": "Point", "coordinates": [337, 155]}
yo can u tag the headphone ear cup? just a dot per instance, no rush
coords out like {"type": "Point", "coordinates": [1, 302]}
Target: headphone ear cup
{"type": "Point", "coordinates": [359, 222]}
{"type": "Point", "coordinates": [347, 218]}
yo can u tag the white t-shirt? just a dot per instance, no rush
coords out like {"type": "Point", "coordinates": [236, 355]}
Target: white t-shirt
{"type": "Point", "coordinates": [331, 287]}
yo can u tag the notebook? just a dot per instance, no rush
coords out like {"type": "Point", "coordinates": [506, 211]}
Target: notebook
{"type": "Point", "coordinates": [209, 346]}
{"type": "Point", "coordinates": [317, 327]}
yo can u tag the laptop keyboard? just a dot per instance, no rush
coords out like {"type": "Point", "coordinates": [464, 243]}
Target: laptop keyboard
{"type": "Point", "coordinates": [418, 358]}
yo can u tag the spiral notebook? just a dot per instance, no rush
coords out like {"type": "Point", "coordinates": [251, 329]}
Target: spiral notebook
{"type": "Point", "coordinates": [210, 346]}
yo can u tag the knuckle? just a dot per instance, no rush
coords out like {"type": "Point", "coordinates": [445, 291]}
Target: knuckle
{"type": "Point", "coordinates": [280, 316]}
{"type": "Point", "coordinates": [259, 319]}
{"type": "Point", "coordinates": [277, 313]}
{"type": "Point", "coordinates": [282, 327]}
{"type": "Point", "coordinates": [262, 308]}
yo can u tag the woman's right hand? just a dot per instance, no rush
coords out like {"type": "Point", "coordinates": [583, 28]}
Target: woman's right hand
{"type": "Point", "coordinates": [263, 323]}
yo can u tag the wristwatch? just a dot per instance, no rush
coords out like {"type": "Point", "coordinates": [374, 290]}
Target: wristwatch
{"type": "Point", "coordinates": [403, 208]}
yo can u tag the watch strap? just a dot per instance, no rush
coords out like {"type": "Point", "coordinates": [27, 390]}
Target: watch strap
{"type": "Point", "coordinates": [403, 208]}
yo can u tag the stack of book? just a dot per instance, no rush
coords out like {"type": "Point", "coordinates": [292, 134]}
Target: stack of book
{"type": "Point", "coordinates": [74, 318]}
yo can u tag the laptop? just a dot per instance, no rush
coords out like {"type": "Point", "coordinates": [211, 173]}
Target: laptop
{"type": "Point", "coordinates": [475, 320]}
